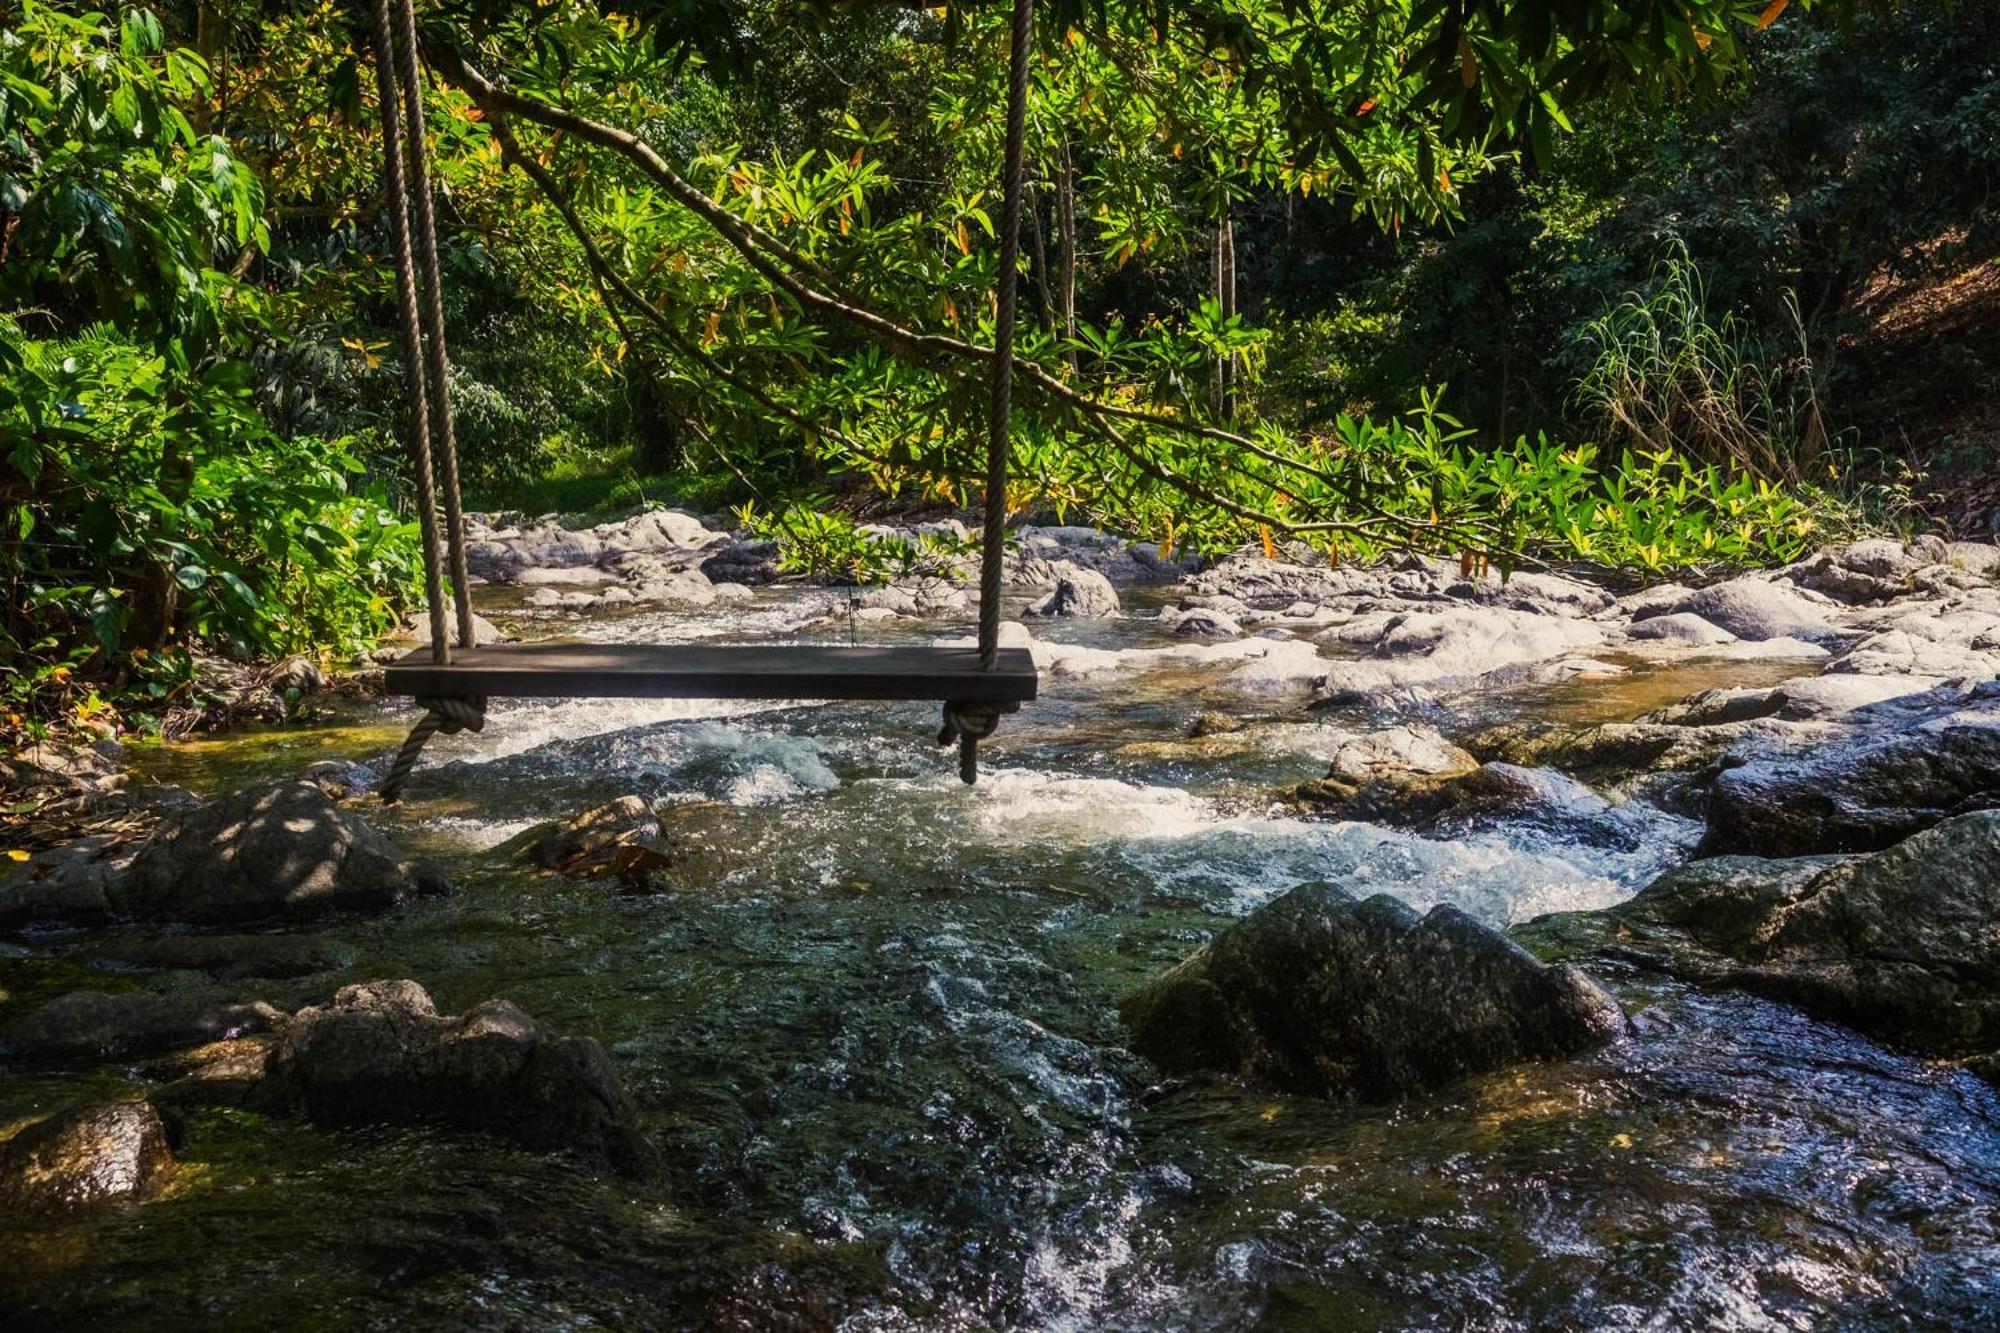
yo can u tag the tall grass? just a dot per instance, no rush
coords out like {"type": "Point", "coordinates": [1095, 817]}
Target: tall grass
{"type": "Point", "coordinates": [1666, 374]}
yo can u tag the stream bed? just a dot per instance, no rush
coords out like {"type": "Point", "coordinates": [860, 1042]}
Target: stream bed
{"type": "Point", "coordinates": [872, 1022]}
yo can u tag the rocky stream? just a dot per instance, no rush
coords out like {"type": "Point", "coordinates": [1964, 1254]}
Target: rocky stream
{"type": "Point", "coordinates": [1327, 948]}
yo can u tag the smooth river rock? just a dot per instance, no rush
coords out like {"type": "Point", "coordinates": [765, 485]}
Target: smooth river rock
{"type": "Point", "coordinates": [1752, 608]}
{"type": "Point", "coordinates": [1081, 593]}
{"type": "Point", "coordinates": [1321, 992]}
{"type": "Point", "coordinates": [120, 1151]}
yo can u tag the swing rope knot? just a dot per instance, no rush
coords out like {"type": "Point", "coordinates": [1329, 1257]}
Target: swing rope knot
{"type": "Point", "coordinates": [968, 724]}
{"type": "Point", "coordinates": [450, 716]}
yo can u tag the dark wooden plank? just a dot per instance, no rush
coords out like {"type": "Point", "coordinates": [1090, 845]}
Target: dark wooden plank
{"type": "Point", "coordinates": [716, 671]}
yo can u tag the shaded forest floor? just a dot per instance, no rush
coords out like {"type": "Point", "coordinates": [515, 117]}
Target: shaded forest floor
{"type": "Point", "coordinates": [1919, 381]}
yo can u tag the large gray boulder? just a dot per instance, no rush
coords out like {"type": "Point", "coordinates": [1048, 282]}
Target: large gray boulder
{"type": "Point", "coordinates": [1904, 943]}
{"type": "Point", "coordinates": [1751, 608]}
{"type": "Point", "coordinates": [278, 850]}
{"type": "Point", "coordinates": [1859, 793]}
{"type": "Point", "coordinates": [120, 1151]}
{"type": "Point", "coordinates": [110, 1026]}
{"type": "Point", "coordinates": [283, 849]}
{"type": "Point", "coordinates": [1321, 992]}
{"type": "Point", "coordinates": [1079, 592]}
{"type": "Point", "coordinates": [381, 1053]}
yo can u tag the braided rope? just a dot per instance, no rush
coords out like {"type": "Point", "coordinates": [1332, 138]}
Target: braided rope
{"type": "Point", "coordinates": [413, 359]}
{"type": "Point", "coordinates": [968, 724]}
{"type": "Point", "coordinates": [995, 528]}
{"type": "Point", "coordinates": [450, 716]}
{"type": "Point", "coordinates": [444, 437]}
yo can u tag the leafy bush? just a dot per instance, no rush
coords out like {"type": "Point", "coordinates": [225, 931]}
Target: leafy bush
{"type": "Point", "coordinates": [817, 541]}
{"type": "Point", "coordinates": [146, 510]}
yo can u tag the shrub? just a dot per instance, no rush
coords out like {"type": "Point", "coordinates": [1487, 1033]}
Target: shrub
{"type": "Point", "coordinates": [146, 510]}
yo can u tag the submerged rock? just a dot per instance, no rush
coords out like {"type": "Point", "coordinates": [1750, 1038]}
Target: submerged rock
{"type": "Point", "coordinates": [111, 1025]}
{"type": "Point", "coordinates": [381, 1053]}
{"type": "Point", "coordinates": [1321, 992]}
{"type": "Point", "coordinates": [120, 1151]}
{"type": "Point", "coordinates": [1605, 752]}
{"type": "Point", "coordinates": [225, 957]}
{"type": "Point", "coordinates": [1902, 944]}
{"type": "Point", "coordinates": [1423, 802]}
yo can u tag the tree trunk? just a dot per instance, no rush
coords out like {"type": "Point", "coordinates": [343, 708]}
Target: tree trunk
{"type": "Point", "coordinates": [1222, 273]}
{"type": "Point", "coordinates": [1066, 241]}
{"type": "Point", "coordinates": [1038, 254]}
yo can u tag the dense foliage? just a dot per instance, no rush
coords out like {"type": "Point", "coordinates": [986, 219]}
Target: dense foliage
{"type": "Point", "coordinates": [148, 507]}
{"type": "Point", "coordinates": [1510, 278]}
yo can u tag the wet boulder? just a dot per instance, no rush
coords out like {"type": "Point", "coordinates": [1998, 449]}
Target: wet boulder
{"type": "Point", "coordinates": [279, 850]}
{"type": "Point", "coordinates": [620, 838]}
{"type": "Point", "coordinates": [381, 1053]}
{"type": "Point", "coordinates": [1079, 593]}
{"type": "Point", "coordinates": [1859, 792]}
{"type": "Point", "coordinates": [1399, 774]}
{"type": "Point", "coordinates": [113, 1026]}
{"type": "Point", "coordinates": [1902, 944]}
{"type": "Point", "coordinates": [76, 1158]}
{"type": "Point", "coordinates": [342, 779]}
{"type": "Point", "coordinates": [1321, 992]}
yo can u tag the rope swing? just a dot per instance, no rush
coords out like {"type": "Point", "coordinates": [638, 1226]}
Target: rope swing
{"type": "Point", "coordinates": [453, 692]}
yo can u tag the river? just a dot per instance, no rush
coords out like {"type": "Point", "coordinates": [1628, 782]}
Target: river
{"type": "Point", "coordinates": [872, 1021]}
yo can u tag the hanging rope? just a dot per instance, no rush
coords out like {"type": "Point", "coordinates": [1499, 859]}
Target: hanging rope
{"type": "Point", "coordinates": [450, 716]}
{"type": "Point", "coordinates": [431, 314]}
{"type": "Point", "coordinates": [970, 724]}
{"type": "Point", "coordinates": [420, 293]}
{"type": "Point", "coordinates": [995, 529]}
{"type": "Point", "coordinates": [397, 200]}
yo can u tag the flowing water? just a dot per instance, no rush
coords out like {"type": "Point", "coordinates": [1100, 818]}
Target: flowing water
{"type": "Point", "coordinates": [872, 1022]}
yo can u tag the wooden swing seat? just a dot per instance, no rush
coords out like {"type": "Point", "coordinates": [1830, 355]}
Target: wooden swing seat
{"type": "Point", "coordinates": [716, 671]}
